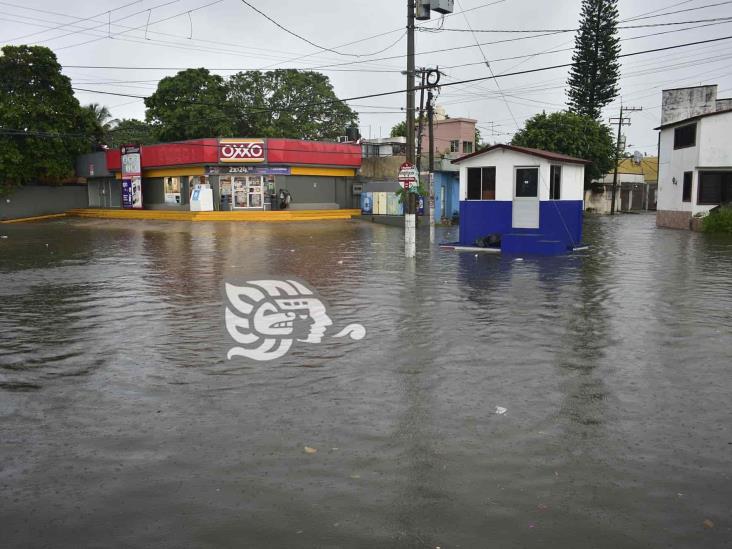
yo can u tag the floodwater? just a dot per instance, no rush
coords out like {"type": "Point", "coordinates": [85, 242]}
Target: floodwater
{"type": "Point", "coordinates": [122, 423]}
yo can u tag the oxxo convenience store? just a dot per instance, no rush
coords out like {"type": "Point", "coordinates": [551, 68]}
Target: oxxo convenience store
{"type": "Point", "coordinates": [244, 174]}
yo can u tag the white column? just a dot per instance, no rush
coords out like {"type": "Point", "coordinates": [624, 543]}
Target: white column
{"type": "Point", "coordinates": [410, 235]}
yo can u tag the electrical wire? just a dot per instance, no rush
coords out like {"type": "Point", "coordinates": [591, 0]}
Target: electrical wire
{"type": "Point", "coordinates": [448, 84]}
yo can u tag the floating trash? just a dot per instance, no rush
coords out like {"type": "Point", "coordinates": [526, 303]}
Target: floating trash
{"type": "Point", "coordinates": [310, 450]}
{"type": "Point", "coordinates": [500, 410]}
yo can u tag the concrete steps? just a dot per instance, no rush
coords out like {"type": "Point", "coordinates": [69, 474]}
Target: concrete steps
{"type": "Point", "coordinates": [252, 216]}
{"type": "Point", "coordinates": [531, 244]}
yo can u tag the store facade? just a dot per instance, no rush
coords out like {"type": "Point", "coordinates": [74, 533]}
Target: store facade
{"type": "Point", "coordinates": [247, 174]}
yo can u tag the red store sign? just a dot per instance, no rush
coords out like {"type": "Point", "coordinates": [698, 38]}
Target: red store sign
{"type": "Point", "coordinates": [241, 150]}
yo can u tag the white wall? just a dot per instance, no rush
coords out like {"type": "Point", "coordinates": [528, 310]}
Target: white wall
{"type": "Point", "coordinates": [715, 143]}
{"type": "Point", "coordinates": [673, 164]}
{"type": "Point", "coordinates": [506, 161]}
{"type": "Point", "coordinates": [713, 150]}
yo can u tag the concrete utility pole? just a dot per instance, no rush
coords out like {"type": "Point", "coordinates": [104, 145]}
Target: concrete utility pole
{"type": "Point", "coordinates": [420, 128]}
{"type": "Point", "coordinates": [620, 122]}
{"type": "Point", "coordinates": [410, 205]}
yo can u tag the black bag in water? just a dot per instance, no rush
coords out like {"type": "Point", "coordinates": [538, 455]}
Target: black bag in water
{"type": "Point", "coordinates": [490, 241]}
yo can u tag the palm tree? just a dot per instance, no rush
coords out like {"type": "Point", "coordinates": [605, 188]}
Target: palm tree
{"type": "Point", "coordinates": [102, 115]}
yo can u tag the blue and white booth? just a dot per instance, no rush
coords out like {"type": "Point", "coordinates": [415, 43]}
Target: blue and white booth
{"type": "Point", "coordinates": [530, 198]}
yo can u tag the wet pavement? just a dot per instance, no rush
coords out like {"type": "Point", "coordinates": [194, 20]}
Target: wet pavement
{"type": "Point", "coordinates": [122, 423]}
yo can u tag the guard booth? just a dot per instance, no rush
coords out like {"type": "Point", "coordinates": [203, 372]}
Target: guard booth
{"type": "Point", "coordinates": [530, 199]}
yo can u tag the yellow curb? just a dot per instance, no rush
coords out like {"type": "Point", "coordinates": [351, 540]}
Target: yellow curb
{"type": "Point", "coordinates": [30, 219]}
{"type": "Point", "coordinates": [252, 216]}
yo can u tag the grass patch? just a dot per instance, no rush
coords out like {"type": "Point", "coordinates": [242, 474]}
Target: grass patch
{"type": "Point", "coordinates": [719, 221]}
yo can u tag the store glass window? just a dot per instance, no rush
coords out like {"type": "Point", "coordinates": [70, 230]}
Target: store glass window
{"type": "Point", "coordinates": [172, 190]}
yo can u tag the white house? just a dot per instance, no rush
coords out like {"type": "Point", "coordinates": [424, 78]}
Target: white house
{"type": "Point", "coordinates": [531, 198]}
{"type": "Point", "coordinates": [695, 165]}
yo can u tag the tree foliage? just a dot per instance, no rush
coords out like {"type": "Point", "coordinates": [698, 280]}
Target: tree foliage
{"type": "Point", "coordinates": [42, 126]}
{"type": "Point", "coordinates": [595, 72]}
{"type": "Point", "coordinates": [399, 130]}
{"type": "Point", "coordinates": [287, 103]}
{"type": "Point", "coordinates": [572, 134]}
{"type": "Point", "coordinates": [189, 105]}
{"type": "Point", "coordinates": [130, 131]}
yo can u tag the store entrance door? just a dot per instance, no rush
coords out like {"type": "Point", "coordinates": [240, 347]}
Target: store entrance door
{"type": "Point", "coordinates": [249, 192]}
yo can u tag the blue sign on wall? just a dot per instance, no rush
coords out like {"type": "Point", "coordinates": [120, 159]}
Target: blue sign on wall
{"type": "Point", "coordinates": [127, 193]}
{"type": "Point", "coordinates": [367, 203]}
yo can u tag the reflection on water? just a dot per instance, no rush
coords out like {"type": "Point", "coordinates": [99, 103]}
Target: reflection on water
{"type": "Point", "coordinates": [122, 422]}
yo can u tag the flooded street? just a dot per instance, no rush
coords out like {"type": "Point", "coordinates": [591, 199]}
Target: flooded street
{"type": "Point", "coordinates": [123, 424]}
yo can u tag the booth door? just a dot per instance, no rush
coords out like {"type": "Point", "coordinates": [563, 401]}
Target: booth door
{"type": "Point", "coordinates": [526, 199]}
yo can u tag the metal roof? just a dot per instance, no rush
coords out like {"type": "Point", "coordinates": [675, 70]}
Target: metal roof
{"type": "Point", "coordinates": [549, 155]}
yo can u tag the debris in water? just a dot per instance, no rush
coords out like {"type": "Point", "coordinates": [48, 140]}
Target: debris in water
{"type": "Point", "coordinates": [340, 262]}
{"type": "Point", "coordinates": [500, 410]}
{"type": "Point", "coordinates": [519, 259]}
{"type": "Point", "coordinates": [3, 236]}
{"type": "Point", "coordinates": [708, 524]}
{"type": "Point", "coordinates": [542, 507]}
{"type": "Point", "coordinates": [532, 525]}
{"type": "Point", "coordinates": [292, 251]}
{"type": "Point", "coordinates": [310, 450]}
{"type": "Point", "coordinates": [355, 476]}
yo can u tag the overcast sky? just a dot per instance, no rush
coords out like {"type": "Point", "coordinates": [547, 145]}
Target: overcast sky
{"type": "Point", "coordinates": [227, 36]}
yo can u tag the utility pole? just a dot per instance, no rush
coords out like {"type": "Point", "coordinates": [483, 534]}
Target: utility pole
{"type": "Point", "coordinates": [410, 213]}
{"type": "Point", "coordinates": [433, 79]}
{"type": "Point", "coordinates": [423, 72]}
{"type": "Point", "coordinates": [620, 122]}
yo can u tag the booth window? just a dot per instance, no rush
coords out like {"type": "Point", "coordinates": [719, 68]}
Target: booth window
{"type": "Point", "coordinates": [454, 146]}
{"type": "Point", "coordinates": [555, 183]}
{"type": "Point", "coordinates": [467, 147]}
{"type": "Point", "coordinates": [685, 136]}
{"type": "Point", "coordinates": [686, 196]}
{"type": "Point", "coordinates": [527, 182]}
{"type": "Point", "coordinates": [714, 188]}
{"type": "Point", "coordinates": [482, 183]}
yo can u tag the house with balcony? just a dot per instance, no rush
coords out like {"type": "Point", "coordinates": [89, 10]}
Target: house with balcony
{"type": "Point", "coordinates": [695, 164]}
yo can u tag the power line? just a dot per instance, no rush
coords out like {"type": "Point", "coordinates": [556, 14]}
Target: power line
{"type": "Point", "coordinates": [557, 31]}
{"type": "Point", "coordinates": [638, 18]}
{"type": "Point", "coordinates": [296, 35]}
{"type": "Point", "coordinates": [65, 24]}
{"type": "Point", "coordinates": [490, 69]}
{"type": "Point", "coordinates": [467, 81]}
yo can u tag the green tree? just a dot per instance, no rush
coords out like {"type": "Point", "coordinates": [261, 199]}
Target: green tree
{"type": "Point", "coordinates": [99, 122]}
{"type": "Point", "coordinates": [593, 78]}
{"type": "Point", "coordinates": [189, 105]}
{"type": "Point", "coordinates": [287, 103]}
{"type": "Point", "coordinates": [573, 134]}
{"type": "Point", "coordinates": [130, 131]}
{"type": "Point", "coordinates": [42, 126]}
{"type": "Point", "coordinates": [399, 130]}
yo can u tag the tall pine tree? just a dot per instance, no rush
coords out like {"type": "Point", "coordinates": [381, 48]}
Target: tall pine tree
{"type": "Point", "coordinates": [593, 79]}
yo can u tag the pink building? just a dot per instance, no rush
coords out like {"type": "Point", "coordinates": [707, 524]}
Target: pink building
{"type": "Point", "coordinates": [452, 135]}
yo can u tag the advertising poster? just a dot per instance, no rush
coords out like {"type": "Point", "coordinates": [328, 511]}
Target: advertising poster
{"type": "Point", "coordinates": [131, 176]}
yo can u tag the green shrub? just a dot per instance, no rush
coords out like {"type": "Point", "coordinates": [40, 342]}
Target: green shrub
{"type": "Point", "coordinates": [719, 221]}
